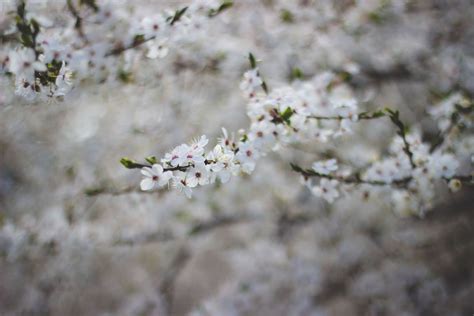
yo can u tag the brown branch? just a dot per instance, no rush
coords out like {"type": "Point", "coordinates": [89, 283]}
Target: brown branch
{"type": "Point", "coordinates": [78, 24]}
{"type": "Point", "coordinates": [355, 179]}
{"type": "Point", "coordinates": [168, 281]}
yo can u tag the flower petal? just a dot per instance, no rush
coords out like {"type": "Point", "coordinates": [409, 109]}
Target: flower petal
{"type": "Point", "coordinates": [147, 184]}
{"type": "Point", "coordinates": [147, 172]}
{"type": "Point", "coordinates": [157, 169]}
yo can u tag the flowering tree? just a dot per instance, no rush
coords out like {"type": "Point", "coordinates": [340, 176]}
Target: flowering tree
{"type": "Point", "coordinates": [303, 190]}
{"type": "Point", "coordinates": [50, 55]}
{"type": "Point", "coordinates": [320, 110]}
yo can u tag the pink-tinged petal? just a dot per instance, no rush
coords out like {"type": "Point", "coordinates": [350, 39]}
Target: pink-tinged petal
{"type": "Point", "coordinates": [165, 177]}
{"type": "Point", "coordinates": [147, 172]}
{"type": "Point", "coordinates": [199, 159]}
{"type": "Point", "coordinates": [158, 169]}
{"type": "Point", "coordinates": [147, 184]}
{"type": "Point", "coordinates": [38, 66]}
{"type": "Point", "coordinates": [192, 182]}
{"type": "Point", "coordinates": [188, 192]}
{"type": "Point", "coordinates": [224, 176]}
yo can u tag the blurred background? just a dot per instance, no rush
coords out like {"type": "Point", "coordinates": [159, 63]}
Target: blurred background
{"type": "Point", "coordinates": [78, 238]}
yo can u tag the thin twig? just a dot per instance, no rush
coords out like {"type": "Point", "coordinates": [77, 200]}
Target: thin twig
{"type": "Point", "coordinates": [78, 24]}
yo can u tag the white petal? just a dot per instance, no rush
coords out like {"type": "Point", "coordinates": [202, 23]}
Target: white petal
{"type": "Point", "coordinates": [224, 176]}
{"type": "Point", "coordinates": [165, 178]}
{"type": "Point", "coordinates": [39, 66]}
{"type": "Point", "coordinates": [157, 169]}
{"type": "Point", "coordinates": [147, 184]}
{"type": "Point", "coordinates": [188, 192]}
{"type": "Point", "coordinates": [147, 172]}
{"type": "Point", "coordinates": [192, 182]}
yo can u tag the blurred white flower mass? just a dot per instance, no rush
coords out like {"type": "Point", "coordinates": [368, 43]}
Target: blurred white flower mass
{"type": "Point", "coordinates": [246, 157]}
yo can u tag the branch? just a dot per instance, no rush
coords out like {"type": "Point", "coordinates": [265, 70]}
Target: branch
{"type": "Point", "coordinates": [78, 24]}
{"type": "Point", "coordinates": [253, 65]}
{"type": "Point", "coordinates": [355, 179]}
{"type": "Point", "coordinates": [395, 118]}
{"type": "Point", "coordinates": [454, 120]}
{"type": "Point", "coordinates": [361, 116]}
{"type": "Point", "coordinates": [168, 281]}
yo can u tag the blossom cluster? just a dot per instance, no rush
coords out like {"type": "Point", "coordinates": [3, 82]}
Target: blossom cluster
{"type": "Point", "coordinates": [99, 43]}
{"type": "Point", "coordinates": [321, 109]}
{"type": "Point", "coordinates": [276, 119]}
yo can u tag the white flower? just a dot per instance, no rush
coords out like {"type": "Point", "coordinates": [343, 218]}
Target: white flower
{"type": "Point", "coordinates": [154, 177]}
{"type": "Point", "coordinates": [223, 164]}
{"type": "Point", "coordinates": [455, 185]}
{"type": "Point", "coordinates": [23, 64]}
{"type": "Point", "coordinates": [226, 141]}
{"type": "Point", "coordinates": [323, 135]}
{"type": "Point", "coordinates": [152, 25]}
{"type": "Point", "coordinates": [157, 49]}
{"type": "Point", "coordinates": [247, 156]}
{"type": "Point", "coordinates": [325, 166]}
{"type": "Point", "coordinates": [443, 165]}
{"type": "Point", "coordinates": [180, 183]}
{"type": "Point", "coordinates": [198, 175]}
{"type": "Point", "coordinates": [251, 81]}
{"type": "Point", "coordinates": [344, 128]}
{"type": "Point", "coordinates": [185, 155]}
{"type": "Point", "coordinates": [63, 81]}
{"type": "Point", "coordinates": [178, 156]}
{"type": "Point", "coordinates": [404, 203]}
{"type": "Point", "coordinates": [199, 143]}
{"type": "Point", "coordinates": [263, 134]}
{"type": "Point", "coordinates": [327, 189]}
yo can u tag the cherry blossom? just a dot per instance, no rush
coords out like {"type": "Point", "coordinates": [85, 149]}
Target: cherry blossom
{"type": "Point", "coordinates": [154, 177]}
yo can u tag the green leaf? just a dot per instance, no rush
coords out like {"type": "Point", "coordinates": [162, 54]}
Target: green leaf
{"type": "Point", "coordinates": [94, 191]}
{"type": "Point", "coordinates": [128, 163]}
{"type": "Point", "coordinates": [26, 40]}
{"type": "Point", "coordinates": [296, 73]}
{"type": "Point", "coordinates": [90, 3]}
{"type": "Point", "coordinates": [224, 6]}
{"type": "Point", "coordinates": [286, 16]}
{"type": "Point", "coordinates": [177, 15]}
{"type": "Point", "coordinates": [125, 76]}
{"type": "Point", "coordinates": [20, 9]}
{"type": "Point", "coordinates": [35, 27]}
{"type": "Point", "coordinates": [286, 115]}
{"type": "Point", "coordinates": [264, 86]}
{"type": "Point", "coordinates": [296, 168]}
{"type": "Point", "coordinates": [253, 61]}
{"type": "Point", "coordinates": [138, 39]}
{"type": "Point", "coordinates": [151, 160]}
{"type": "Point", "coordinates": [375, 17]}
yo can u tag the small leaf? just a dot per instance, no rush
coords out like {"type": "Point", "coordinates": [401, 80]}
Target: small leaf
{"type": "Point", "coordinates": [128, 163]}
{"type": "Point", "coordinates": [35, 26]}
{"type": "Point", "coordinates": [296, 73]}
{"type": "Point", "coordinates": [94, 191]}
{"type": "Point", "coordinates": [253, 62]}
{"type": "Point", "coordinates": [286, 115]}
{"type": "Point", "coordinates": [264, 86]}
{"type": "Point", "coordinates": [151, 160]}
{"type": "Point", "coordinates": [224, 6]}
{"type": "Point", "coordinates": [286, 16]}
{"type": "Point", "coordinates": [296, 168]}
{"type": "Point", "coordinates": [177, 15]}
{"type": "Point", "coordinates": [138, 39]}
{"type": "Point", "coordinates": [125, 76]}
{"type": "Point", "coordinates": [90, 3]}
{"type": "Point", "coordinates": [20, 9]}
